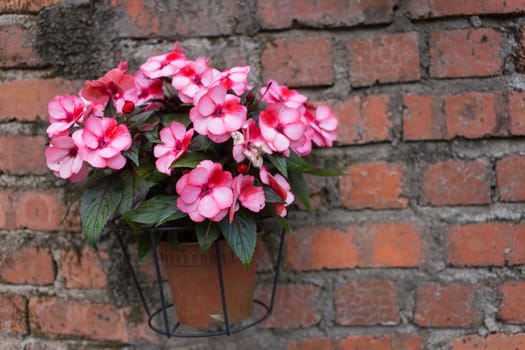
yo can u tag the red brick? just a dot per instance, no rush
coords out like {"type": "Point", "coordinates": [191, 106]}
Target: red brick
{"type": "Point", "coordinates": [366, 303]}
{"type": "Point", "coordinates": [84, 269]}
{"type": "Point", "coordinates": [497, 341]}
{"type": "Point", "coordinates": [473, 115]}
{"type": "Point", "coordinates": [373, 185]}
{"type": "Point", "coordinates": [324, 247]}
{"type": "Point", "coordinates": [386, 342]}
{"type": "Point", "coordinates": [28, 266]}
{"type": "Point", "coordinates": [32, 161]}
{"type": "Point", "coordinates": [389, 244]}
{"type": "Point", "coordinates": [54, 317]}
{"type": "Point", "coordinates": [423, 118]}
{"type": "Point", "coordinates": [16, 45]}
{"type": "Point", "coordinates": [440, 8]}
{"type": "Point", "coordinates": [370, 245]}
{"type": "Point", "coordinates": [510, 179]}
{"type": "Point", "coordinates": [25, 6]}
{"type": "Point", "coordinates": [512, 309]}
{"type": "Point", "coordinates": [144, 19]}
{"type": "Point", "coordinates": [485, 244]}
{"type": "Point", "coordinates": [386, 58]}
{"type": "Point", "coordinates": [37, 210]}
{"type": "Point", "coordinates": [12, 315]}
{"type": "Point", "coordinates": [294, 307]}
{"type": "Point", "coordinates": [310, 344]}
{"type": "Point", "coordinates": [364, 119]}
{"type": "Point", "coordinates": [366, 342]}
{"type": "Point", "coordinates": [26, 100]}
{"type": "Point", "coordinates": [298, 61]}
{"type": "Point", "coordinates": [465, 53]}
{"type": "Point", "coordinates": [438, 305]}
{"type": "Point", "coordinates": [516, 101]}
{"type": "Point", "coordinates": [456, 183]}
{"type": "Point", "coordinates": [278, 14]}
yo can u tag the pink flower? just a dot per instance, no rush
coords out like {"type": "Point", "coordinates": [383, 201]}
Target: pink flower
{"type": "Point", "coordinates": [250, 196]}
{"type": "Point", "coordinates": [235, 79]}
{"type": "Point", "coordinates": [64, 112]}
{"type": "Point", "coordinates": [175, 141]}
{"type": "Point", "coordinates": [249, 144]}
{"type": "Point", "coordinates": [205, 192]}
{"type": "Point", "coordinates": [101, 141]}
{"type": "Point", "coordinates": [280, 186]}
{"type": "Point", "coordinates": [217, 114]}
{"type": "Point", "coordinates": [62, 157]}
{"type": "Point", "coordinates": [281, 94]}
{"type": "Point", "coordinates": [144, 90]}
{"type": "Point", "coordinates": [111, 86]}
{"type": "Point", "coordinates": [280, 125]}
{"type": "Point", "coordinates": [323, 124]}
{"type": "Point", "coordinates": [194, 76]}
{"type": "Point", "coordinates": [165, 65]}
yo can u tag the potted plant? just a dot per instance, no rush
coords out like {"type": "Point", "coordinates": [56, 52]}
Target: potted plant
{"type": "Point", "coordinates": [180, 143]}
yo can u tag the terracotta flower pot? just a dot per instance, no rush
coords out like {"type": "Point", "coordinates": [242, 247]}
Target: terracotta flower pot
{"type": "Point", "coordinates": [194, 283]}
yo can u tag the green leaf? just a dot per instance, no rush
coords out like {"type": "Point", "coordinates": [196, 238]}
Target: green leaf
{"type": "Point", "coordinates": [109, 110]}
{"type": "Point", "coordinates": [188, 160]}
{"type": "Point", "coordinates": [155, 211]}
{"type": "Point", "coordinates": [133, 154]}
{"type": "Point", "coordinates": [270, 196]}
{"type": "Point", "coordinates": [280, 163]}
{"type": "Point", "coordinates": [135, 187]}
{"type": "Point", "coordinates": [300, 189]}
{"type": "Point", "coordinates": [143, 245]}
{"type": "Point", "coordinates": [298, 164]}
{"type": "Point", "coordinates": [284, 224]}
{"type": "Point", "coordinates": [182, 118]}
{"type": "Point", "coordinates": [241, 235]}
{"type": "Point", "coordinates": [141, 117]}
{"type": "Point", "coordinates": [207, 233]}
{"type": "Point", "coordinates": [200, 143]}
{"type": "Point", "coordinates": [98, 204]}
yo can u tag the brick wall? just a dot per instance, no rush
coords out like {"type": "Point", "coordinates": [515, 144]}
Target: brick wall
{"type": "Point", "coordinates": [420, 246]}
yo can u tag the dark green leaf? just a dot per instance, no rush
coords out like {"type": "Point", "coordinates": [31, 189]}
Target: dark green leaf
{"type": "Point", "coordinates": [300, 189]}
{"type": "Point", "coordinates": [241, 235]}
{"type": "Point", "coordinates": [270, 196]}
{"type": "Point", "coordinates": [298, 164]}
{"type": "Point", "coordinates": [98, 204]}
{"type": "Point", "coordinates": [133, 154]}
{"type": "Point", "coordinates": [155, 211]}
{"type": "Point", "coordinates": [141, 117]}
{"type": "Point", "coordinates": [144, 245]}
{"type": "Point", "coordinates": [135, 188]}
{"type": "Point", "coordinates": [109, 111]}
{"type": "Point", "coordinates": [189, 160]}
{"type": "Point", "coordinates": [207, 233]}
{"type": "Point", "coordinates": [182, 118]}
{"type": "Point", "coordinates": [200, 143]}
{"type": "Point", "coordinates": [284, 224]}
{"type": "Point", "coordinates": [280, 163]}
{"type": "Point", "coordinates": [153, 136]}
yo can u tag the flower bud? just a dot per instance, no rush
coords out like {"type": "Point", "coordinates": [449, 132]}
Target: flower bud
{"type": "Point", "coordinates": [128, 107]}
{"type": "Point", "coordinates": [242, 168]}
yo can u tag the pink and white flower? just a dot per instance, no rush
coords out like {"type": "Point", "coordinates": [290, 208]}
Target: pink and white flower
{"type": "Point", "coordinates": [250, 196]}
{"type": "Point", "coordinates": [63, 159]}
{"type": "Point", "coordinates": [192, 77]}
{"type": "Point", "coordinates": [323, 124]}
{"type": "Point", "coordinates": [165, 65]}
{"type": "Point", "coordinates": [276, 93]}
{"type": "Point", "coordinates": [235, 79]}
{"type": "Point", "coordinates": [64, 112]}
{"type": "Point", "coordinates": [249, 144]}
{"type": "Point", "coordinates": [175, 141]}
{"type": "Point", "coordinates": [111, 86]}
{"type": "Point", "coordinates": [217, 114]}
{"type": "Point", "coordinates": [101, 142]}
{"type": "Point", "coordinates": [205, 192]}
{"type": "Point", "coordinates": [281, 125]}
{"type": "Point", "coordinates": [144, 90]}
{"type": "Point", "coordinates": [280, 186]}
